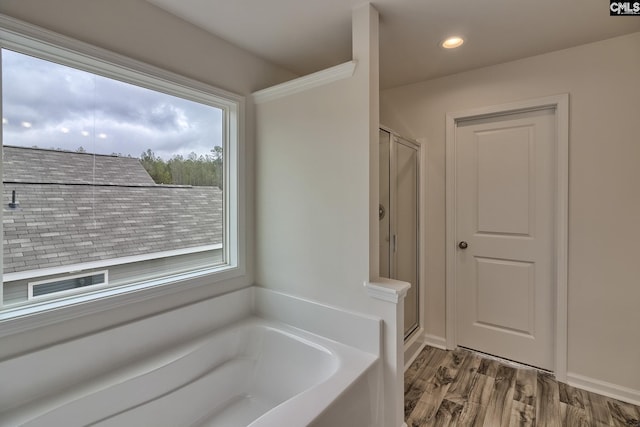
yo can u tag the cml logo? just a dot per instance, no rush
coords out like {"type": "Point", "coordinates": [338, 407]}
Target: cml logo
{"type": "Point", "coordinates": [620, 8]}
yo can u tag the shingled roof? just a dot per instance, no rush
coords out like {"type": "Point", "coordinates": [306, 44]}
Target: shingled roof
{"type": "Point", "coordinates": [66, 217]}
{"type": "Point", "coordinates": [66, 167]}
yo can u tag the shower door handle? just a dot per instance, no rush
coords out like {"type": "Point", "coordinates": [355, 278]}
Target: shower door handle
{"type": "Point", "coordinates": [395, 243]}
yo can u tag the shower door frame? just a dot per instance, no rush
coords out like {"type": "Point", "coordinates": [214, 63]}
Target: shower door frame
{"type": "Point", "coordinates": [416, 329]}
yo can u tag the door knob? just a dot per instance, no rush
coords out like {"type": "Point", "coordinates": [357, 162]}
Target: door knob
{"type": "Point", "coordinates": [463, 245]}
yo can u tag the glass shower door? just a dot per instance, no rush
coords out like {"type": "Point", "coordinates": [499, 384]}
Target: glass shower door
{"type": "Point", "coordinates": [384, 212]}
{"type": "Point", "coordinates": [406, 228]}
{"type": "Point", "coordinates": [398, 215]}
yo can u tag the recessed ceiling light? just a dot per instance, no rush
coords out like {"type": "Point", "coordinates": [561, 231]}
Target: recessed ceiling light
{"type": "Point", "coordinates": [452, 42]}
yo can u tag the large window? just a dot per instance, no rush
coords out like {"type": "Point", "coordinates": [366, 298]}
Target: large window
{"type": "Point", "coordinates": [111, 167]}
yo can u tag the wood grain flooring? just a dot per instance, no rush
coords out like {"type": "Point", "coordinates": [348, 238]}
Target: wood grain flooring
{"type": "Point", "coordinates": [462, 388]}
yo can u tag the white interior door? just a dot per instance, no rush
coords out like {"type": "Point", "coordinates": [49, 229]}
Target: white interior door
{"type": "Point", "coordinates": [505, 195]}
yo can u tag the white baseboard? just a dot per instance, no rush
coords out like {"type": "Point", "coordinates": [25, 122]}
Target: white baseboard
{"type": "Point", "coordinates": [415, 337]}
{"type": "Point", "coordinates": [411, 353]}
{"type": "Point", "coordinates": [434, 341]}
{"type": "Point", "coordinates": [604, 388]}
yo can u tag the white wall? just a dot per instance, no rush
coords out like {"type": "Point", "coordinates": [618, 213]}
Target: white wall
{"type": "Point", "coordinates": [312, 188]}
{"type": "Point", "coordinates": [604, 190]}
{"type": "Point", "coordinates": [317, 196]}
{"type": "Point", "coordinates": [137, 29]}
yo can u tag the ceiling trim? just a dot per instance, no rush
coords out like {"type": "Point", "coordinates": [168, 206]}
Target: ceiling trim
{"type": "Point", "coordinates": [320, 78]}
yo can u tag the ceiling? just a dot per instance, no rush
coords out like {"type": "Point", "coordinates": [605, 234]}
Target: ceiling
{"type": "Point", "coordinates": [305, 36]}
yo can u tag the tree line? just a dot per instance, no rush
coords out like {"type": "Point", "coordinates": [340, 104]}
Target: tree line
{"type": "Point", "coordinates": [202, 170]}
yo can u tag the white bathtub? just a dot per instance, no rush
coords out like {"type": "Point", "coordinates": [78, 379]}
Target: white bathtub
{"type": "Point", "coordinates": [253, 373]}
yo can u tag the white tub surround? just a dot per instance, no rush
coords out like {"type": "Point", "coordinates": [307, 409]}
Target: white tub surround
{"type": "Point", "coordinates": [242, 370]}
{"type": "Point", "coordinates": [393, 293]}
{"type": "Point", "coordinates": [354, 329]}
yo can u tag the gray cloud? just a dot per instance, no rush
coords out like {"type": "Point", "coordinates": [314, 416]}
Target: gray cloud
{"type": "Point", "coordinates": [67, 108]}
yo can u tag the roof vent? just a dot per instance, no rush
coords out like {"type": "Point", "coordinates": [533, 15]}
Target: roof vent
{"type": "Point", "coordinates": [13, 204]}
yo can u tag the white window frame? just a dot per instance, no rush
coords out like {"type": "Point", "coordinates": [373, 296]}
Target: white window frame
{"type": "Point", "coordinates": [81, 289]}
{"type": "Point", "coordinates": [29, 39]}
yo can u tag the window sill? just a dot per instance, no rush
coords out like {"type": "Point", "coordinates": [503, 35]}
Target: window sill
{"type": "Point", "coordinates": [25, 318]}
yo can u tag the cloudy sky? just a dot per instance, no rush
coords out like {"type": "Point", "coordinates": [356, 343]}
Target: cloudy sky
{"type": "Point", "coordinates": [54, 106]}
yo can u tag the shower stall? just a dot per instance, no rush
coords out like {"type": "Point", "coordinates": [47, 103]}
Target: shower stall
{"type": "Point", "coordinates": [399, 219]}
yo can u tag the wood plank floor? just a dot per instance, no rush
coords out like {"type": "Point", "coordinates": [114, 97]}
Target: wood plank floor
{"type": "Point", "coordinates": [462, 388]}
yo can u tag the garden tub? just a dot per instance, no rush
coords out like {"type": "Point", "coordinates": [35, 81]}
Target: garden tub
{"type": "Point", "coordinates": [255, 372]}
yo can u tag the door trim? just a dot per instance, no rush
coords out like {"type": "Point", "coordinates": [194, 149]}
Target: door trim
{"type": "Point", "coordinates": [560, 103]}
